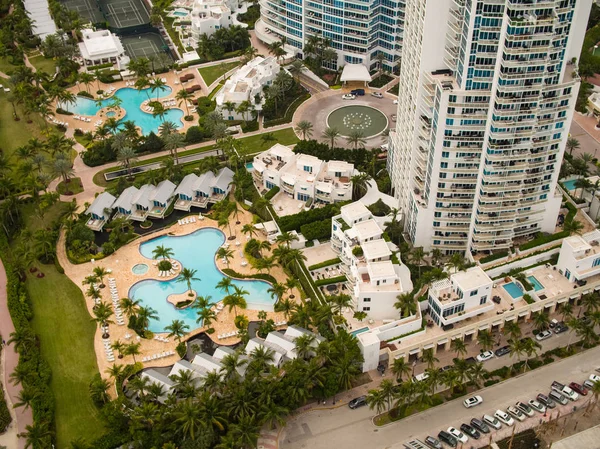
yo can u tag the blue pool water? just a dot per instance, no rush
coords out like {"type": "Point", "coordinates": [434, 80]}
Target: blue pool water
{"type": "Point", "coordinates": [537, 285]}
{"type": "Point", "coordinates": [570, 185]}
{"type": "Point", "coordinates": [111, 113]}
{"type": "Point", "coordinates": [359, 331]}
{"type": "Point", "coordinates": [249, 166]}
{"type": "Point", "coordinates": [513, 290]}
{"type": "Point", "coordinates": [195, 251]}
{"type": "Point", "coordinates": [180, 13]}
{"type": "Point", "coordinates": [131, 101]}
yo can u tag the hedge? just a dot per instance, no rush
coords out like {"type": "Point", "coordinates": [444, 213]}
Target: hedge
{"type": "Point", "coordinates": [332, 280]}
{"type": "Point", "coordinates": [85, 94]}
{"type": "Point", "coordinates": [317, 230]}
{"type": "Point", "coordinates": [100, 66]}
{"type": "Point", "coordinates": [289, 113]}
{"type": "Point", "coordinates": [492, 257]}
{"type": "Point", "coordinates": [543, 239]}
{"type": "Point", "coordinates": [263, 277]}
{"type": "Point", "coordinates": [63, 111]}
{"type": "Point", "coordinates": [324, 264]}
{"type": "Point", "coordinates": [5, 418]}
{"type": "Point", "coordinates": [295, 222]}
{"type": "Point", "coordinates": [271, 193]}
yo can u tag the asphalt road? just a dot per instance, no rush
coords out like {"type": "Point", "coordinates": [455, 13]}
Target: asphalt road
{"type": "Point", "coordinates": [345, 428]}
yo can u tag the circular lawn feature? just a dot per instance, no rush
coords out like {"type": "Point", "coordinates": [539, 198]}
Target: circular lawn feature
{"type": "Point", "coordinates": [348, 119]}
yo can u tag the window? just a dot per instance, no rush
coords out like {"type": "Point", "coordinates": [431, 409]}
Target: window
{"type": "Point", "coordinates": [473, 293]}
{"type": "Point", "coordinates": [308, 168]}
{"type": "Point", "coordinates": [366, 299]}
{"type": "Point", "coordinates": [596, 262]}
{"type": "Point", "coordinates": [483, 300]}
{"type": "Point", "coordinates": [366, 309]}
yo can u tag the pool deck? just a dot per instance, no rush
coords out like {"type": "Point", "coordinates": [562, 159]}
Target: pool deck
{"type": "Point", "coordinates": [172, 82]}
{"type": "Point", "coordinates": [121, 262]}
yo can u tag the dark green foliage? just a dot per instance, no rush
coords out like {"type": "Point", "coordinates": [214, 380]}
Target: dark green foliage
{"type": "Point", "coordinates": [5, 418]}
{"type": "Point", "coordinates": [295, 222]}
{"type": "Point", "coordinates": [83, 93]}
{"type": "Point", "coordinates": [98, 153]}
{"type": "Point", "coordinates": [194, 135]}
{"type": "Point", "coordinates": [324, 264]}
{"type": "Point", "coordinates": [250, 16]}
{"type": "Point", "coordinates": [264, 277]}
{"type": "Point", "coordinates": [151, 144]}
{"type": "Point", "coordinates": [379, 208]}
{"type": "Point", "coordinates": [330, 280]}
{"type": "Point", "coordinates": [250, 126]}
{"type": "Point", "coordinates": [317, 230]}
{"type": "Point", "coordinates": [359, 157]}
{"type": "Point", "coordinates": [541, 239]}
{"type": "Point", "coordinates": [495, 256]}
{"type": "Point", "coordinates": [271, 193]}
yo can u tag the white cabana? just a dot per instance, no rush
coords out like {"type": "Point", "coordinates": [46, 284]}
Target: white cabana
{"type": "Point", "coordinates": [356, 72]}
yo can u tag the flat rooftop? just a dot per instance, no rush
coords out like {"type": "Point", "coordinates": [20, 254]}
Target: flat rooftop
{"type": "Point", "coordinates": [354, 210]}
{"type": "Point", "coordinates": [471, 279]}
{"type": "Point", "coordinates": [364, 230]}
{"type": "Point", "coordinates": [375, 249]}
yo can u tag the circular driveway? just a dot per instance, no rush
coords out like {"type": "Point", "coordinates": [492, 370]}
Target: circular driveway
{"type": "Point", "coordinates": [317, 109]}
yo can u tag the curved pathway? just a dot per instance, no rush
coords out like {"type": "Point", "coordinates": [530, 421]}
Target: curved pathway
{"type": "Point", "coordinates": [10, 359]}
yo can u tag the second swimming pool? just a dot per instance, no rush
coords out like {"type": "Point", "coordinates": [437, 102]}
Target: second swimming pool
{"type": "Point", "coordinates": [513, 289]}
{"type": "Point", "coordinates": [195, 251]}
{"type": "Point", "coordinates": [537, 285]}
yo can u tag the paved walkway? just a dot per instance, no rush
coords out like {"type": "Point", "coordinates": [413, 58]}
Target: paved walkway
{"type": "Point", "coordinates": [10, 359]}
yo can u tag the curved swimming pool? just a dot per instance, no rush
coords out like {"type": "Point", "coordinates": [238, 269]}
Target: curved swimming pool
{"type": "Point", "coordinates": [195, 251]}
{"type": "Point", "coordinates": [131, 99]}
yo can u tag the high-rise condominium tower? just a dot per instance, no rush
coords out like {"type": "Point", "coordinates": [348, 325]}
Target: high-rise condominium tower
{"type": "Point", "coordinates": [357, 29]}
{"type": "Point", "coordinates": [486, 97]}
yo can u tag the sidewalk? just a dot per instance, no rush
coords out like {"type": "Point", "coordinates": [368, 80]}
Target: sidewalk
{"type": "Point", "coordinates": [11, 358]}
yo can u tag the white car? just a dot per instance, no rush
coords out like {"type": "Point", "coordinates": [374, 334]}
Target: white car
{"type": "Point", "coordinates": [516, 413]}
{"type": "Point", "coordinates": [537, 406]}
{"type": "Point", "coordinates": [594, 378]}
{"type": "Point", "coordinates": [473, 401]}
{"type": "Point", "coordinates": [458, 434]}
{"type": "Point", "coordinates": [543, 335]}
{"type": "Point", "coordinates": [377, 94]}
{"type": "Point", "coordinates": [395, 101]}
{"type": "Point", "coordinates": [504, 417]}
{"type": "Point", "coordinates": [485, 356]}
{"type": "Point", "coordinates": [348, 97]}
{"type": "Point", "coordinates": [492, 421]}
{"type": "Point", "coordinates": [394, 117]}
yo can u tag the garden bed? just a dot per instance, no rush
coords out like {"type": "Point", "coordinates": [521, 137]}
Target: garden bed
{"type": "Point", "coordinates": [73, 187]}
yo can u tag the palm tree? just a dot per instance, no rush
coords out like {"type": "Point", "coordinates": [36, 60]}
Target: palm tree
{"type": "Point", "coordinates": [418, 256]}
{"type": "Point", "coordinates": [305, 128]}
{"type": "Point", "coordinates": [249, 230]}
{"type": "Point", "coordinates": [157, 85]}
{"type": "Point", "coordinates": [37, 436]}
{"type": "Point", "coordinates": [172, 142]}
{"type": "Point", "coordinates": [115, 371]}
{"type": "Point", "coordinates": [590, 301]}
{"type": "Point", "coordinates": [540, 321]}
{"type": "Point", "coordinates": [163, 252]}
{"type": "Point", "coordinates": [129, 306]}
{"type": "Point", "coordinates": [184, 96]}
{"type": "Point", "coordinates": [458, 346]}
{"type": "Point", "coordinates": [127, 156]}
{"type": "Point", "coordinates": [476, 373]}
{"type": "Point", "coordinates": [26, 397]}
{"type": "Point", "coordinates": [574, 227]}
{"type": "Point", "coordinates": [429, 358]}
{"type": "Point", "coordinates": [357, 139]}
{"type": "Point", "coordinates": [517, 348]}
{"type": "Point", "coordinates": [132, 349]}
{"type": "Point", "coordinates": [332, 135]}
{"type": "Point", "coordinates": [286, 238]}
{"type": "Point", "coordinates": [64, 168]}
{"type": "Point", "coordinates": [400, 368]}
{"type": "Point", "coordinates": [100, 272]}
{"type": "Point", "coordinates": [277, 290]}
{"type": "Point", "coordinates": [177, 329]}
{"type": "Point", "coordinates": [188, 275]}
{"type": "Point", "coordinates": [456, 262]}
{"type": "Point", "coordinates": [512, 329]}
{"type": "Point", "coordinates": [376, 400]}
{"type": "Point", "coordinates": [225, 284]}
{"type": "Point", "coordinates": [206, 316]}
{"type": "Point", "coordinates": [144, 315]}
{"type": "Point", "coordinates": [485, 340]}
{"type": "Point", "coordinates": [296, 68]}
{"type": "Point", "coordinates": [225, 253]}
{"type": "Point", "coordinates": [360, 184]}
{"type": "Point", "coordinates": [406, 304]}
{"type": "Point", "coordinates": [102, 313]}
{"type": "Point", "coordinates": [572, 144]}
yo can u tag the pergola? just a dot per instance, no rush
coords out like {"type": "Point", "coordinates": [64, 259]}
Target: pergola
{"type": "Point", "coordinates": [355, 72]}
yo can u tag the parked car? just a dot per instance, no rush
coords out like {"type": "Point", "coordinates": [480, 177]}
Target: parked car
{"type": "Point", "coordinates": [543, 335]}
{"type": "Point", "coordinates": [357, 402]}
{"type": "Point", "coordinates": [492, 421]}
{"type": "Point", "coordinates": [560, 328]}
{"type": "Point", "coordinates": [537, 406]}
{"type": "Point", "coordinates": [445, 368]}
{"type": "Point", "coordinates": [472, 432]}
{"type": "Point", "coordinates": [588, 384]}
{"type": "Point", "coordinates": [524, 408]}
{"type": "Point", "coordinates": [504, 417]}
{"type": "Point", "coordinates": [578, 388]}
{"type": "Point", "coordinates": [485, 356]}
{"type": "Point", "coordinates": [516, 413]}
{"type": "Point", "coordinates": [357, 92]}
{"type": "Point", "coordinates": [394, 117]}
{"type": "Point", "coordinates": [545, 400]}
{"type": "Point", "coordinates": [420, 377]}
{"type": "Point", "coordinates": [502, 351]}
{"type": "Point", "coordinates": [565, 391]}
{"type": "Point", "coordinates": [473, 401]}
{"type": "Point", "coordinates": [447, 438]}
{"type": "Point", "coordinates": [480, 425]}
{"type": "Point", "coordinates": [558, 398]}
{"type": "Point", "coordinates": [417, 444]}
{"type": "Point", "coordinates": [461, 437]}
{"type": "Point", "coordinates": [348, 97]}
{"type": "Point", "coordinates": [470, 360]}
{"type": "Point", "coordinates": [433, 443]}
{"type": "Point", "coordinates": [395, 101]}
{"type": "Point", "coordinates": [377, 94]}
{"type": "Point", "coordinates": [594, 378]}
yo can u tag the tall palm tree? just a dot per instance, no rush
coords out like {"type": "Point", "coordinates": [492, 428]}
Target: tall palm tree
{"type": "Point", "coordinates": [286, 238]}
{"type": "Point", "coordinates": [132, 349]}
{"type": "Point", "coordinates": [188, 275]}
{"type": "Point", "coordinates": [376, 400]}
{"type": "Point", "coordinates": [360, 184]}
{"type": "Point", "coordinates": [572, 144]}
{"type": "Point", "coordinates": [540, 321]}
{"type": "Point", "coordinates": [37, 436]}
{"type": "Point", "coordinates": [177, 329]}
{"type": "Point", "coordinates": [249, 230]}
{"type": "Point", "coordinates": [129, 306]}
{"type": "Point", "coordinates": [400, 368]}
{"type": "Point", "coordinates": [225, 284]}
{"type": "Point", "coordinates": [485, 340]}
{"type": "Point", "coordinates": [406, 304]}
{"type": "Point", "coordinates": [305, 128]}
{"type": "Point", "coordinates": [418, 257]}
{"type": "Point", "coordinates": [357, 139]}
{"type": "Point", "coordinates": [184, 96]}
{"type": "Point", "coordinates": [127, 156]}
{"type": "Point", "coordinates": [429, 358]}
{"type": "Point", "coordinates": [331, 134]}
{"type": "Point", "coordinates": [142, 84]}
{"type": "Point", "coordinates": [144, 315]}
{"type": "Point", "coordinates": [157, 85]}
{"type": "Point", "coordinates": [512, 330]}
{"type": "Point", "coordinates": [225, 253]}
{"type": "Point", "coordinates": [100, 272]}
{"type": "Point", "coordinates": [173, 142]}
{"type": "Point", "coordinates": [102, 313]}
{"type": "Point", "coordinates": [458, 346]}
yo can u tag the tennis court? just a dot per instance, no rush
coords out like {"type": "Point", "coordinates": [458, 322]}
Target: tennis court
{"type": "Point", "coordinates": [87, 9]}
{"type": "Point", "coordinates": [147, 45]}
{"type": "Point", "coordinates": [124, 13]}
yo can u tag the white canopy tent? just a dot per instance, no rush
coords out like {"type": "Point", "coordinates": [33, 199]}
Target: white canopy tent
{"type": "Point", "coordinates": [356, 72]}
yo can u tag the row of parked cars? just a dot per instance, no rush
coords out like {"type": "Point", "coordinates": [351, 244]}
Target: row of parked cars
{"type": "Point", "coordinates": [520, 411]}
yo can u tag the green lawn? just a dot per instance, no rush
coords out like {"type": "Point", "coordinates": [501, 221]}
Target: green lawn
{"type": "Point", "coordinates": [72, 188]}
{"type": "Point", "coordinates": [15, 134]}
{"type": "Point", "coordinates": [251, 144]}
{"type": "Point", "coordinates": [210, 74]}
{"type": "Point", "coordinates": [66, 335]}
{"type": "Point", "coordinates": [44, 64]}
{"type": "Point", "coordinates": [6, 66]}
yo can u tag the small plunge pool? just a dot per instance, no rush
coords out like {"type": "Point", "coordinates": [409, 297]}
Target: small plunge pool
{"type": "Point", "coordinates": [140, 268]}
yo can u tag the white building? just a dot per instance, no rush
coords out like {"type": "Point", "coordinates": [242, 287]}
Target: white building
{"type": "Point", "coordinates": [357, 31]}
{"type": "Point", "coordinates": [208, 16]}
{"type": "Point", "coordinates": [198, 191]}
{"type": "Point", "coordinates": [302, 176]}
{"type": "Point", "coordinates": [100, 211]}
{"type": "Point", "coordinates": [366, 258]}
{"type": "Point", "coordinates": [146, 202]}
{"type": "Point", "coordinates": [244, 85]}
{"type": "Point", "coordinates": [102, 47]}
{"type": "Point", "coordinates": [486, 98]}
{"type": "Point", "coordinates": [579, 256]}
{"type": "Point", "coordinates": [466, 294]}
